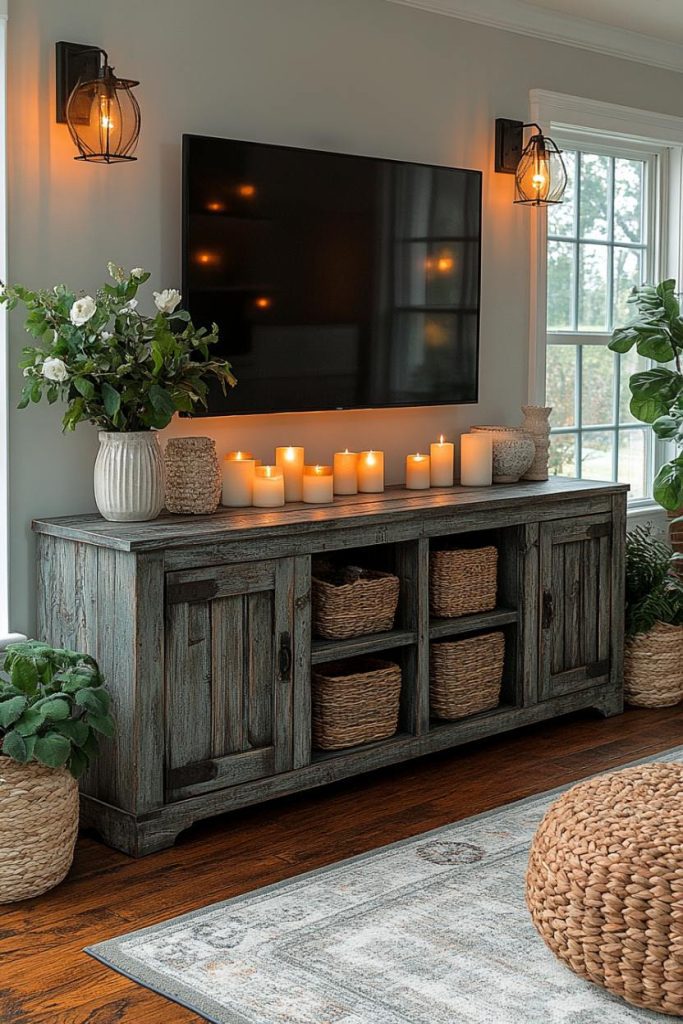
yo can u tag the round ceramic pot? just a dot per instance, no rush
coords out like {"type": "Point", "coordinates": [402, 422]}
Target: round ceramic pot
{"type": "Point", "coordinates": [513, 452]}
{"type": "Point", "coordinates": [129, 476]}
{"type": "Point", "coordinates": [38, 827]}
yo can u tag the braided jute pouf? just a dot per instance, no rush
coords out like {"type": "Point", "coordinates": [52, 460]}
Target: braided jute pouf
{"type": "Point", "coordinates": [605, 883]}
{"type": "Point", "coordinates": [38, 826]}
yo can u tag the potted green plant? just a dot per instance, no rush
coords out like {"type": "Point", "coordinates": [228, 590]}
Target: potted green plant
{"type": "Point", "coordinates": [53, 706]}
{"type": "Point", "coordinates": [653, 656]}
{"type": "Point", "coordinates": [122, 370]}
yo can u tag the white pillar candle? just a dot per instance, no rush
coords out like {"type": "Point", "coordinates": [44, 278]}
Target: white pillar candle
{"type": "Point", "coordinates": [417, 472]}
{"type": "Point", "coordinates": [441, 467]}
{"type": "Point", "coordinates": [269, 487]}
{"type": "Point", "coordinates": [238, 479]}
{"type": "Point", "coordinates": [476, 460]}
{"type": "Point", "coordinates": [291, 462]}
{"type": "Point", "coordinates": [371, 472]}
{"type": "Point", "coordinates": [318, 485]}
{"type": "Point", "coordinates": [345, 472]}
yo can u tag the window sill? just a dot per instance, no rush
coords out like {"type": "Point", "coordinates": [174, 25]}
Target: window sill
{"type": "Point", "coordinates": [10, 638]}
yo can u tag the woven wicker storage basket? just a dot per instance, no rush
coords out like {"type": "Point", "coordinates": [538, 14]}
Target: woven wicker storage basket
{"type": "Point", "coordinates": [193, 477]}
{"type": "Point", "coordinates": [465, 676]}
{"type": "Point", "coordinates": [353, 602]}
{"type": "Point", "coordinates": [462, 581]}
{"type": "Point", "coordinates": [38, 826]}
{"type": "Point", "coordinates": [355, 701]}
{"type": "Point", "coordinates": [653, 667]}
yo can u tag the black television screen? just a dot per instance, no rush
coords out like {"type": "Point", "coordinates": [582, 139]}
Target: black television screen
{"type": "Point", "coordinates": [337, 281]}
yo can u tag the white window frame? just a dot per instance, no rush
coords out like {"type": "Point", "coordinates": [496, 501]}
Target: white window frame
{"type": "Point", "coordinates": [617, 130]}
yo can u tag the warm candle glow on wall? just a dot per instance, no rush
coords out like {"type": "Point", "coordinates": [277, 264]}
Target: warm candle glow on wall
{"type": "Point", "coordinates": [442, 457]}
{"type": "Point", "coordinates": [371, 472]}
{"type": "Point", "coordinates": [269, 487]}
{"type": "Point", "coordinates": [346, 472]}
{"type": "Point", "coordinates": [318, 485]}
{"type": "Point", "coordinates": [417, 472]}
{"type": "Point", "coordinates": [290, 460]}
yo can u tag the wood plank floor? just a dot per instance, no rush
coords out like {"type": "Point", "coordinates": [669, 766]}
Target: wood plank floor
{"type": "Point", "coordinates": [45, 978]}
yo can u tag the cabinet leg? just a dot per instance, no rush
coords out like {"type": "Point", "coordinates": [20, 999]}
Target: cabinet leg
{"type": "Point", "coordinates": [611, 704]}
{"type": "Point", "coordinates": [135, 836]}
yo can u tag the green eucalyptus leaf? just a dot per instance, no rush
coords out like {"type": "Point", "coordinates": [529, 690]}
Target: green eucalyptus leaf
{"type": "Point", "coordinates": [84, 386]}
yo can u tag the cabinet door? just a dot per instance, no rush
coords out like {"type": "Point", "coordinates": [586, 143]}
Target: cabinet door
{"type": "Point", "coordinates": [576, 580]}
{"type": "Point", "coordinates": [228, 675]}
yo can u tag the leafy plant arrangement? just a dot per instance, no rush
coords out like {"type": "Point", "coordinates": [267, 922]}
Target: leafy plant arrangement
{"type": "Point", "coordinates": [653, 594]}
{"type": "Point", "coordinates": [53, 703]}
{"type": "Point", "coordinates": [657, 394]}
{"type": "Point", "coordinates": [113, 365]}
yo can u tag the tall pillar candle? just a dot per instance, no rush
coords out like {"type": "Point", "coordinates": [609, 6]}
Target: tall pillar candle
{"type": "Point", "coordinates": [346, 472]}
{"type": "Point", "coordinates": [238, 479]}
{"type": "Point", "coordinates": [269, 487]}
{"type": "Point", "coordinates": [371, 472]}
{"type": "Point", "coordinates": [417, 472]}
{"type": "Point", "coordinates": [291, 461]}
{"type": "Point", "coordinates": [441, 467]}
{"type": "Point", "coordinates": [476, 460]}
{"type": "Point", "coordinates": [318, 485]}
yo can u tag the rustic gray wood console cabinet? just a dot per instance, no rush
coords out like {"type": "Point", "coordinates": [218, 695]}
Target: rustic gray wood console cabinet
{"type": "Point", "coordinates": [202, 627]}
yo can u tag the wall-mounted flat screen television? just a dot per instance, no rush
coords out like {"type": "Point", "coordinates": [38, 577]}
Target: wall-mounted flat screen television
{"type": "Point", "coordinates": [337, 282]}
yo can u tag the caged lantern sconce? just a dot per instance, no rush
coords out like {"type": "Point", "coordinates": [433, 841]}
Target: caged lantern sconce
{"type": "Point", "coordinates": [100, 109]}
{"type": "Point", "coordinates": [538, 167]}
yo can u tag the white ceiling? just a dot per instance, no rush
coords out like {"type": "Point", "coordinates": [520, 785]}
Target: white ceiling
{"type": "Point", "coordinates": [662, 19]}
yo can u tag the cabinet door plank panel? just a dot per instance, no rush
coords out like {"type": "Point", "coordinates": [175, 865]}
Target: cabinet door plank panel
{"type": "Point", "coordinates": [188, 713]}
{"type": "Point", "coordinates": [260, 670]}
{"type": "Point", "coordinates": [574, 575]}
{"type": "Point", "coordinates": [228, 673]}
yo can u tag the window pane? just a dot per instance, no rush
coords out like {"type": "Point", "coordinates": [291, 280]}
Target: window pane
{"type": "Point", "coordinates": [562, 458]}
{"type": "Point", "coordinates": [627, 272]}
{"type": "Point", "coordinates": [628, 200]}
{"type": "Point", "coordinates": [632, 462]}
{"type": "Point", "coordinates": [597, 385]}
{"type": "Point", "coordinates": [560, 390]}
{"type": "Point", "coordinates": [593, 287]}
{"type": "Point", "coordinates": [594, 195]}
{"type": "Point", "coordinates": [560, 286]}
{"type": "Point", "coordinates": [631, 363]}
{"type": "Point", "coordinates": [596, 455]}
{"type": "Point", "coordinates": [561, 217]}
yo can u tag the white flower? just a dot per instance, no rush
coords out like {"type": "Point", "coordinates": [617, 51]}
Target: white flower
{"type": "Point", "coordinates": [106, 335]}
{"type": "Point", "coordinates": [27, 371]}
{"type": "Point", "coordinates": [82, 310]}
{"type": "Point", "coordinates": [55, 369]}
{"type": "Point", "coordinates": [116, 272]}
{"type": "Point", "coordinates": [167, 300]}
{"type": "Point", "coordinates": [129, 306]}
{"type": "Point", "coordinates": [138, 272]}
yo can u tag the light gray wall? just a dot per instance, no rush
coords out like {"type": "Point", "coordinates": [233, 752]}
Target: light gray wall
{"type": "Point", "coordinates": [362, 76]}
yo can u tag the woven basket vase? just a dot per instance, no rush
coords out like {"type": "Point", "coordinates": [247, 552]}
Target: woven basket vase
{"type": "Point", "coordinates": [355, 701]}
{"type": "Point", "coordinates": [465, 676]}
{"type": "Point", "coordinates": [38, 826]}
{"type": "Point", "coordinates": [653, 667]}
{"type": "Point", "coordinates": [462, 581]}
{"type": "Point", "coordinates": [193, 478]}
{"type": "Point", "coordinates": [354, 602]}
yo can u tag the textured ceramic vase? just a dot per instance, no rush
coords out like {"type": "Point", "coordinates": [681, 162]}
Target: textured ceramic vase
{"type": "Point", "coordinates": [513, 452]}
{"type": "Point", "coordinates": [193, 476]}
{"type": "Point", "coordinates": [129, 476]}
{"type": "Point", "coordinates": [537, 423]}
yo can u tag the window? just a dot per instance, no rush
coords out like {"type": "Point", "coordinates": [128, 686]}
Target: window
{"type": "Point", "coordinates": [601, 240]}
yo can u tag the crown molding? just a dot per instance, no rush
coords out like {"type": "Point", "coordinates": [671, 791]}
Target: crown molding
{"type": "Point", "coordinates": [525, 19]}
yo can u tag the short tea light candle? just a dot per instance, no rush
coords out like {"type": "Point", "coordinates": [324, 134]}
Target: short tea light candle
{"type": "Point", "coordinates": [269, 487]}
{"type": "Point", "coordinates": [346, 472]}
{"type": "Point", "coordinates": [318, 485]}
{"type": "Point", "coordinates": [371, 472]}
{"type": "Point", "coordinates": [417, 472]}
{"type": "Point", "coordinates": [441, 468]}
{"type": "Point", "coordinates": [291, 461]}
{"type": "Point", "coordinates": [238, 479]}
{"type": "Point", "coordinates": [476, 460]}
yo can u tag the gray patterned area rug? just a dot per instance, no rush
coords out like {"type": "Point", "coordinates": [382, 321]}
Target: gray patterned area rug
{"type": "Point", "coordinates": [431, 930]}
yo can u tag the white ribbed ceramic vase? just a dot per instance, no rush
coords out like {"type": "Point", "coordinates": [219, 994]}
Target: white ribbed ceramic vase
{"type": "Point", "coordinates": [129, 476]}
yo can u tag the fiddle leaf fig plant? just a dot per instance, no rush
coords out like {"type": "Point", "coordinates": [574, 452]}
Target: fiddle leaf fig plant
{"type": "Point", "coordinates": [53, 706]}
{"type": "Point", "coordinates": [656, 330]}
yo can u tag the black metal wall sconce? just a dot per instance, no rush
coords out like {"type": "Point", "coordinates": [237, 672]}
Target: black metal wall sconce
{"type": "Point", "coordinates": [100, 109]}
{"type": "Point", "coordinates": [538, 167]}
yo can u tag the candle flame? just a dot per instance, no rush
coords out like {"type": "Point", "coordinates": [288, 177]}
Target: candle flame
{"type": "Point", "coordinates": [268, 468]}
{"type": "Point", "coordinates": [289, 454]}
{"type": "Point", "coordinates": [318, 469]}
{"type": "Point", "coordinates": [370, 459]}
{"type": "Point", "coordinates": [418, 457]}
{"type": "Point", "coordinates": [238, 455]}
{"type": "Point", "coordinates": [441, 439]}
{"type": "Point", "coordinates": [346, 451]}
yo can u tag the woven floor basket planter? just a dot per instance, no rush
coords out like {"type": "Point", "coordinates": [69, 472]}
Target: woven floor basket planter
{"type": "Point", "coordinates": [355, 701]}
{"type": "Point", "coordinates": [462, 581]}
{"type": "Point", "coordinates": [605, 884]}
{"type": "Point", "coordinates": [653, 667]}
{"type": "Point", "coordinates": [353, 602]}
{"type": "Point", "coordinates": [38, 826]}
{"type": "Point", "coordinates": [465, 676]}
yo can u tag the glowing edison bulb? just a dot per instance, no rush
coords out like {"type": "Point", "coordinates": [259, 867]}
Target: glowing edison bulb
{"type": "Point", "coordinates": [538, 181]}
{"type": "Point", "coordinates": [106, 120]}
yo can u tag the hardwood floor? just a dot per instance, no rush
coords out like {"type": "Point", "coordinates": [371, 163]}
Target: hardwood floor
{"type": "Point", "coordinates": [45, 978]}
